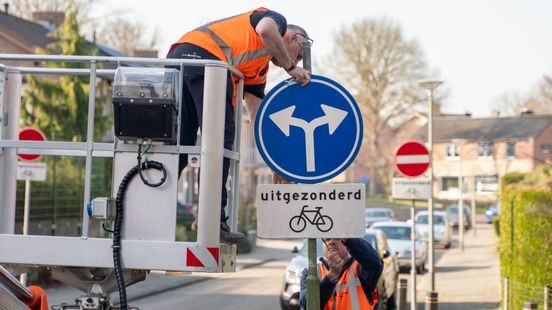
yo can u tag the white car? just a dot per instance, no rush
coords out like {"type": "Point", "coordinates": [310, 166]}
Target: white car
{"type": "Point", "coordinates": [373, 215]}
{"type": "Point", "coordinates": [398, 237]}
{"type": "Point", "coordinates": [442, 230]}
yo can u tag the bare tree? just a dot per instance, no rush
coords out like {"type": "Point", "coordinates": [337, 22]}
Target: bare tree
{"type": "Point", "coordinates": [25, 8]}
{"type": "Point", "coordinates": [381, 68]}
{"type": "Point", "coordinates": [113, 27]}
{"type": "Point", "coordinates": [509, 104]}
{"type": "Point", "coordinates": [544, 95]}
{"type": "Point", "coordinates": [539, 100]}
{"type": "Point", "coordinates": [127, 36]}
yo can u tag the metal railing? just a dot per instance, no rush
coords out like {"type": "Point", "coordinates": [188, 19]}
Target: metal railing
{"type": "Point", "coordinates": [90, 148]}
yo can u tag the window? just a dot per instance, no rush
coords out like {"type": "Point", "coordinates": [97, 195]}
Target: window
{"type": "Point", "coordinates": [511, 149]}
{"type": "Point", "coordinates": [486, 183]}
{"type": "Point", "coordinates": [423, 219]}
{"type": "Point", "coordinates": [546, 148]}
{"type": "Point", "coordinates": [453, 151]}
{"type": "Point", "coordinates": [449, 184]}
{"type": "Point", "coordinates": [485, 149]}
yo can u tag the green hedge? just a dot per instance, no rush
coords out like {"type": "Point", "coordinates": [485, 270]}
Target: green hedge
{"type": "Point", "coordinates": [526, 234]}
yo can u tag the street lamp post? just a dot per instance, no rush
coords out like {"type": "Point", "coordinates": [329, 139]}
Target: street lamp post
{"type": "Point", "coordinates": [461, 215]}
{"type": "Point", "coordinates": [431, 85]}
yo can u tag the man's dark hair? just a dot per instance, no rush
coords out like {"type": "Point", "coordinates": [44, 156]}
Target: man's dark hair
{"type": "Point", "coordinates": [299, 30]}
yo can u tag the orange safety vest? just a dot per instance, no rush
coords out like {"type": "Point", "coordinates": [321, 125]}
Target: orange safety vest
{"type": "Point", "coordinates": [235, 41]}
{"type": "Point", "coordinates": [348, 293]}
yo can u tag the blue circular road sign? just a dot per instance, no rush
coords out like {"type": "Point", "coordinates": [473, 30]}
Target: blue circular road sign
{"type": "Point", "coordinates": [308, 134]}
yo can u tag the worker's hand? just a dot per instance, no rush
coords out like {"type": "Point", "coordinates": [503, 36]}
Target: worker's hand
{"type": "Point", "coordinates": [300, 75]}
{"type": "Point", "coordinates": [278, 179]}
{"type": "Point", "coordinates": [336, 264]}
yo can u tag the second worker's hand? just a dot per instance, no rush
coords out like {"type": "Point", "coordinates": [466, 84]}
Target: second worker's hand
{"type": "Point", "coordinates": [336, 264]}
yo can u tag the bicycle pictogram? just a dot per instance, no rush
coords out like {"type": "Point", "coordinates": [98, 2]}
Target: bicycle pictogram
{"type": "Point", "coordinates": [298, 223]}
{"type": "Point", "coordinates": [412, 192]}
{"type": "Point", "coordinates": [28, 174]}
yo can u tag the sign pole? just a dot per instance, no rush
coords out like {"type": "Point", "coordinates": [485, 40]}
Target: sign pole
{"type": "Point", "coordinates": [413, 257]}
{"type": "Point", "coordinates": [431, 85]}
{"type": "Point", "coordinates": [27, 203]}
{"type": "Point", "coordinates": [473, 213]}
{"type": "Point", "coordinates": [412, 159]}
{"type": "Point", "coordinates": [461, 209]}
{"type": "Point", "coordinates": [27, 171]}
{"type": "Point", "coordinates": [313, 283]}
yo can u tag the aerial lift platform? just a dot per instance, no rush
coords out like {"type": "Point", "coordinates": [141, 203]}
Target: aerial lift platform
{"type": "Point", "coordinates": [146, 99]}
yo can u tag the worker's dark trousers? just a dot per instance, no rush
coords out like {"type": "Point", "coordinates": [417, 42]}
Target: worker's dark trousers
{"type": "Point", "coordinates": [191, 117]}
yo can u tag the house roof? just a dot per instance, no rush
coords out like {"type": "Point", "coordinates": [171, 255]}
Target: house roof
{"type": "Point", "coordinates": [37, 34]}
{"type": "Point", "coordinates": [481, 129]}
{"type": "Point", "coordinates": [30, 31]}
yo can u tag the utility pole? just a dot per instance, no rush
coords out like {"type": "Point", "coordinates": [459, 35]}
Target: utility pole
{"type": "Point", "coordinates": [431, 85]}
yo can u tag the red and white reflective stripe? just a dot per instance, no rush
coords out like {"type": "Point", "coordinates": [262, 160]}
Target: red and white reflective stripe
{"type": "Point", "coordinates": [412, 159]}
{"type": "Point", "coordinates": [202, 257]}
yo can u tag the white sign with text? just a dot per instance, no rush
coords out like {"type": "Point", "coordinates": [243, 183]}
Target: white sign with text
{"type": "Point", "coordinates": [310, 211]}
{"type": "Point", "coordinates": [413, 189]}
{"type": "Point", "coordinates": [31, 171]}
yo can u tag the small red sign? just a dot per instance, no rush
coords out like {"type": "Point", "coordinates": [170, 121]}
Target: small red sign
{"type": "Point", "coordinates": [412, 158]}
{"type": "Point", "coordinates": [31, 134]}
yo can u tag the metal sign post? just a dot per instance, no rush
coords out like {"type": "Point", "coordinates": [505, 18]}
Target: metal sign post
{"type": "Point", "coordinates": [322, 124]}
{"type": "Point", "coordinates": [413, 189]}
{"type": "Point", "coordinates": [29, 172]}
{"type": "Point", "coordinates": [23, 276]}
{"type": "Point", "coordinates": [412, 159]}
{"type": "Point", "coordinates": [313, 283]}
{"type": "Point", "coordinates": [413, 258]}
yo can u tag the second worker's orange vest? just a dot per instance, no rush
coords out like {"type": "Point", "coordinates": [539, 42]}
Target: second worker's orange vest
{"type": "Point", "coordinates": [348, 293]}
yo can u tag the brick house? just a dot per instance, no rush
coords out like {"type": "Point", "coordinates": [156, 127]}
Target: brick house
{"type": "Point", "coordinates": [482, 150]}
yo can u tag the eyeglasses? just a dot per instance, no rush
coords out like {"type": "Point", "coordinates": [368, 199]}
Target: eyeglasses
{"type": "Point", "coordinates": [311, 41]}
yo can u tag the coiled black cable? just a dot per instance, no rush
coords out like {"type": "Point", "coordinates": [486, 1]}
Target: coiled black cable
{"type": "Point", "coordinates": [119, 222]}
{"type": "Point", "coordinates": [147, 163]}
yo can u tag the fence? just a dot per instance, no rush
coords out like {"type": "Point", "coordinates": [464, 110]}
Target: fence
{"type": "Point", "coordinates": [57, 202]}
{"type": "Point", "coordinates": [515, 293]}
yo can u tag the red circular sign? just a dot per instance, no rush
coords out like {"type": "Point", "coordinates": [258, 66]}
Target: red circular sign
{"type": "Point", "coordinates": [31, 134]}
{"type": "Point", "coordinates": [412, 158]}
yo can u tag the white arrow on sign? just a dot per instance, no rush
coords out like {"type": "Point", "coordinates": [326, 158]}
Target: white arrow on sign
{"type": "Point", "coordinates": [284, 120]}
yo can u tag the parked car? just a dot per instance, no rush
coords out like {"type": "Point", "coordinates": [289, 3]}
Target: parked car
{"type": "Point", "coordinates": [398, 237]}
{"type": "Point", "coordinates": [492, 212]}
{"type": "Point", "coordinates": [373, 215]}
{"type": "Point", "coordinates": [442, 231]}
{"type": "Point", "coordinates": [185, 212]}
{"type": "Point", "coordinates": [452, 212]}
{"type": "Point", "coordinates": [387, 284]}
{"type": "Point", "coordinates": [289, 295]}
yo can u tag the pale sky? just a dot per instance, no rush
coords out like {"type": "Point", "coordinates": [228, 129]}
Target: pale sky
{"type": "Point", "coordinates": [481, 49]}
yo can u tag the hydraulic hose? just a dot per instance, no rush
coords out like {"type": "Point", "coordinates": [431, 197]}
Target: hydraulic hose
{"type": "Point", "coordinates": [119, 222]}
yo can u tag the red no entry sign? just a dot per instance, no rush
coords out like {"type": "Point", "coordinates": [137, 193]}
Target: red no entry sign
{"type": "Point", "coordinates": [31, 134]}
{"type": "Point", "coordinates": [412, 158]}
